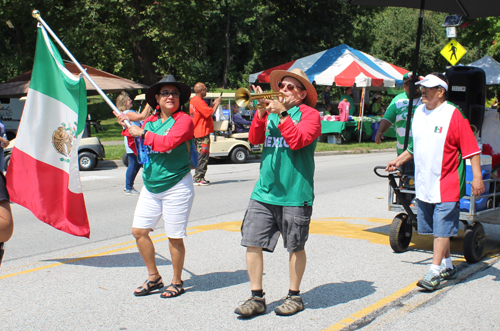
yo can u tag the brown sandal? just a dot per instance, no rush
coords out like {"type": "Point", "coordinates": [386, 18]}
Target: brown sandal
{"type": "Point", "coordinates": [179, 289]}
{"type": "Point", "coordinates": [148, 286]}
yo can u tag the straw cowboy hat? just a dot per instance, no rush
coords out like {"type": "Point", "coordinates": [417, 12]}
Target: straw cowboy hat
{"type": "Point", "coordinates": [184, 90]}
{"type": "Point", "coordinates": [278, 75]}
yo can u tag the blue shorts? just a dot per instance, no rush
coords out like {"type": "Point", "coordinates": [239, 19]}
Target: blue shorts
{"type": "Point", "coordinates": [438, 219]}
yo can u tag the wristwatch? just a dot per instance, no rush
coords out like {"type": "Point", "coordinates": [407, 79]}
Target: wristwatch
{"type": "Point", "coordinates": [143, 134]}
{"type": "Point", "coordinates": [283, 114]}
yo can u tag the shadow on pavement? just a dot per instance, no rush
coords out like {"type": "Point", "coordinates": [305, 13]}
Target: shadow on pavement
{"type": "Point", "coordinates": [332, 294]}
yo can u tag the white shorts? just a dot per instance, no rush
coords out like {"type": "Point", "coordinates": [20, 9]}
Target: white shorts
{"type": "Point", "coordinates": [174, 205]}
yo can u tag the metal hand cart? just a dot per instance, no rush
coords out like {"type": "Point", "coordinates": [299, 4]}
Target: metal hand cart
{"type": "Point", "coordinates": [401, 199]}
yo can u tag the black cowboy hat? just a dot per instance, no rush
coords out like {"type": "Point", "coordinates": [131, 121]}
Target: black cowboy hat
{"type": "Point", "coordinates": [184, 90]}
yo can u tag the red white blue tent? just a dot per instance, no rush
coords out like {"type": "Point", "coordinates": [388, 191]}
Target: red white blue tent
{"type": "Point", "coordinates": [344, 66]}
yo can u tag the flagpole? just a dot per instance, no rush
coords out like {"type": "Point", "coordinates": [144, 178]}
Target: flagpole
{"type": "Point", "coordinates": [36, 14]}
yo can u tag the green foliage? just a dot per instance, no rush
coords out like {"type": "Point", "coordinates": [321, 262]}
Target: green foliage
{"type": "Point", "coordinates": [394, 33]}
{"type": "Point", "coordinates": [221, 42]}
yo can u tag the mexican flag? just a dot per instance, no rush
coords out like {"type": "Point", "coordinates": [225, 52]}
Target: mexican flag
{"type": "Point", "coordinates": [43, 173]}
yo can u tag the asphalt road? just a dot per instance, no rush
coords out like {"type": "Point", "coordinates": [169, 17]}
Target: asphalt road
{"type": "Point", "coordinates": [50, 280]}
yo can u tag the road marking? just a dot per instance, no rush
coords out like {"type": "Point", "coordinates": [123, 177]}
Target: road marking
{"type": "Point", "coordinates": [89, 178]}
{"type": "Point", "coordinates": [365, 314]}
{"type": "Point", "coordinates": [346, 227]}
{"type": "Point", "coordinates": [358, 316]}
{"type": "Point", "coordinates": [353, 227]}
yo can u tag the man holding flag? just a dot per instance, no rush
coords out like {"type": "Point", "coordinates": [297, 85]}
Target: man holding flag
{"type": "Point", "coordinates": [43, 173]}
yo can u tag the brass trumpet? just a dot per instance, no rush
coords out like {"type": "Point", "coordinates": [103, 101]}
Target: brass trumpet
{"type": "Point", "coordinates": [243, 97]}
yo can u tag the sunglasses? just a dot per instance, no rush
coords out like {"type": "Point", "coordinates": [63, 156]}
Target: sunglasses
{"type": "Point", "coordinates": [166, 93]}
{"type": "Point", "coordinates": [288, 86]}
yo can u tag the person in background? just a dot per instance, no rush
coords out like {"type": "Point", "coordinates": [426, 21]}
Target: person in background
{"type": "Point", "coordinates": [168, 190]}
{"type": "Point", "coordinates": [326, 97]}
{"type": "Point", "coordinates": [348, 95]}
{"type": "Point", "coordinates": [376, 108]}
{"type": "Point", "coordinates": [397, 113]}
{"type": "Point", "coordinates": [124, 104]}
{"type": "Point", "coordinates": [281, 202]}
{"type": "Point", "coordinates": [201, 115]}
{"type": "Point", "coordinates": [442, 139]}
{"type": "Point", "coordinates": [344, 107]}
{"type": "Point", "coordinates": [240, 124]}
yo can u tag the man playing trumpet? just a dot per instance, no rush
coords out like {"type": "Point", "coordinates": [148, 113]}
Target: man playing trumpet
{"type": "Point", "coordinates": [281, 202]}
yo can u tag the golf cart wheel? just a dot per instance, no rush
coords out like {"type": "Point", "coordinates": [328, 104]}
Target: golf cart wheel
{"type": "Point", "coordinates": [239, 155]}
{"type": "Point", "coordinates": [87, 161]}
{"type": "Point", "coordinates": [125, 159]}
{"type": "Point", "coordinates": [6, 162]}
{"type": "Point", "coordinates": [400, 233]}
{"type": "Point", "coordinates": [474, 238]}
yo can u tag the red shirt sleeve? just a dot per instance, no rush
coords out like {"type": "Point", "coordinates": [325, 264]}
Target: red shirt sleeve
{"type": "Point", "coordinates": [257, 133]}
{"type": "Point", "coordinates": [180, 132]}
{"type": "Point", "coordinates": [304, 133]}
{"type": "Point", "coordinates": [466, 140]}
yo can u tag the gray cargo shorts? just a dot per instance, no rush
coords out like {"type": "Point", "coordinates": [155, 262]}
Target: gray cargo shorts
{"type": "Point", "coordinates": [263, 224]}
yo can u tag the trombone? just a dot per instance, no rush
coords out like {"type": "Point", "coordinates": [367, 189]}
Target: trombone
{"type": "Point", "coordinates": [242, 97]}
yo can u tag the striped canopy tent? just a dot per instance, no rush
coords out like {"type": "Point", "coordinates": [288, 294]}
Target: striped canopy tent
{"type": "Point", "coordinates": [344, 66]}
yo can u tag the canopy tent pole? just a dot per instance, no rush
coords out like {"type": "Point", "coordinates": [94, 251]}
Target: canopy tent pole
{"type": "Point", "coordinates": [362, 110]}
{"type": "Point", "coordinates": [36, 14]}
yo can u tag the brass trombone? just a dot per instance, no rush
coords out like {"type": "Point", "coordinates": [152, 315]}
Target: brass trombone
{"type": "Point", "coordinates": [243, 97]}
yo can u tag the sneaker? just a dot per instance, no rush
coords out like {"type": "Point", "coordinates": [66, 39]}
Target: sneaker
{"type": "Point", "coordinates": [447, 274]}
{"type": "Point", "coordinates": [131, 192]}
{"type": "Point", "coordinates": [252, 307]}
{"type": "Point", "coordinates": [430, 282]}
{"type": "Point", "coordinates": [291, 305]}
{"type": "Point", "coordinates": [201, 182]}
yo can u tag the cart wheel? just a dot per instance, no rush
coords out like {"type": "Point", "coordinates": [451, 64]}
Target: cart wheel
{"type": "Point", "coordinates": [489, 203]}
{"type": "Point", "coordinates": [474, 239]}
{"type": "Point", "coordinates": [400, 233]}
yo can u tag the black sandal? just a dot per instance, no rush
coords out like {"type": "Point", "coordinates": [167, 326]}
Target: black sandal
{"type": "Point", "coordinates": [150, 285]}
{"type": "Point", "coordinates": [1, 252]}
{"type": "Point", "coordinates": [179, 289]}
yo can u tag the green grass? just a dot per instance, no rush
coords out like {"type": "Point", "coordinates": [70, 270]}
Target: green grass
{"type": "Point", "coordinates": [111, 130]}
{"type": "Point", "coordinates": [114, 152]}
{"type": "Point", "coordinates": [363, 147]}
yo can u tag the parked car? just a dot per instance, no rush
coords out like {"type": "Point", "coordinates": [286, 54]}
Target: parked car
{"type": "Point", "coordinates": [90, 152]}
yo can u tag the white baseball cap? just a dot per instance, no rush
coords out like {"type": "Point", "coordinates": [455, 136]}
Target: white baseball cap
{"type": "Point", "coordinates": [432, 81]}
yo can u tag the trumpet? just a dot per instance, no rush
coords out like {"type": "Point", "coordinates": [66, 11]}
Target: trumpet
{"type": "Point", "coordinates": [243, 97]}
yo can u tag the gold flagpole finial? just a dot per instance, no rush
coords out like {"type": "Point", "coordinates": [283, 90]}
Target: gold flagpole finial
{"type": "Point", "coordinates": [35, 14]}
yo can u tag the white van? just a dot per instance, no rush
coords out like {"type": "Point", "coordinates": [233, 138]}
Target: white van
{"type": "Point", "coordinates": [11, 110]}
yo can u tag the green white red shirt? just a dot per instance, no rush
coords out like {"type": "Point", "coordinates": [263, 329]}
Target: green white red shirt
{"type": "Point", "coordinates": [442, 140]}
{"type": "Point", "coordinates": [396, 113]}
{"type": "Point", "coordinates": [287, 166]}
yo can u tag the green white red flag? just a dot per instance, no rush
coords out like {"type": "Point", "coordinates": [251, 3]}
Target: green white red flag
{"type": "Point", "coordinates": [43, 173]}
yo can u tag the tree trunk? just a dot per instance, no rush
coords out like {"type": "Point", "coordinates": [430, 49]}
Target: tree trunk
{"type": "Point", "coordinates": [142, 48]}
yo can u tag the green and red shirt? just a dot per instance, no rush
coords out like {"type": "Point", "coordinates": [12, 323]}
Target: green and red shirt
{"type": "Point", "coordinates": [287, 166]}
{"type": "Point", "coordinates": [169, 158]}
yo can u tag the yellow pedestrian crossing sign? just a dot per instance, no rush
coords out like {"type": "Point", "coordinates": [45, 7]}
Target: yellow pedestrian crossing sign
{"type": "Point", "coordinates": [453, 52]}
